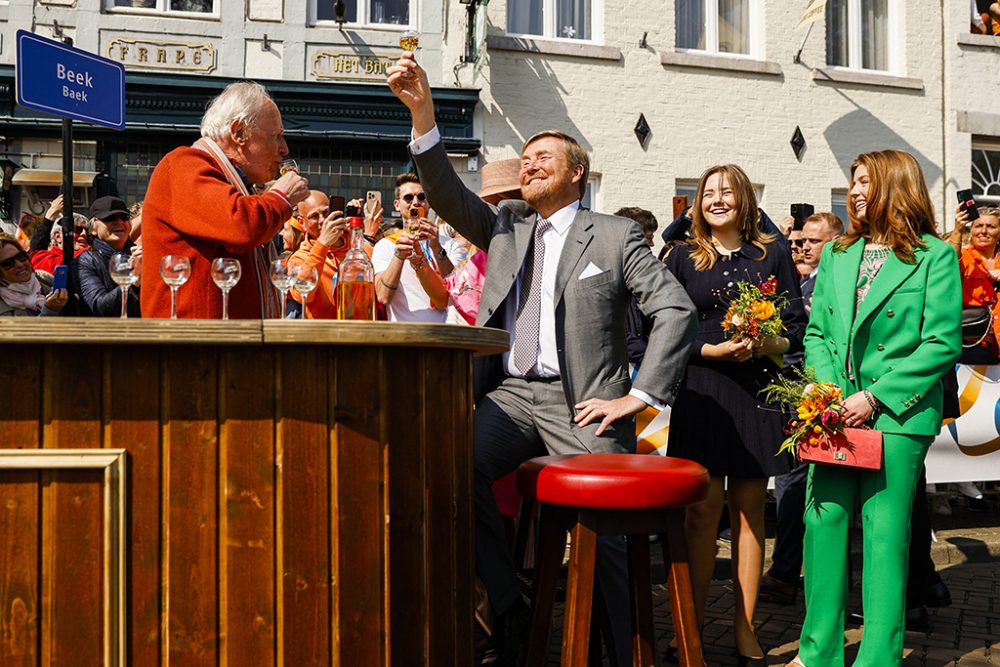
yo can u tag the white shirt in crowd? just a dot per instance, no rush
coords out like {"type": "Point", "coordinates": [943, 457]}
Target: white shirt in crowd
{"type": "Point", "coordinates": [410, 302]}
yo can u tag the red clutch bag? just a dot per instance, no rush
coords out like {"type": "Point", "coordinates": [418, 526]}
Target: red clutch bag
{"type": "Point", "coordinates": [855, 448]}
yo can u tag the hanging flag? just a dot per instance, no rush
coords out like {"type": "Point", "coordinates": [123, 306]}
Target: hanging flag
{"type": "Point", "coordinates": [813, 12]}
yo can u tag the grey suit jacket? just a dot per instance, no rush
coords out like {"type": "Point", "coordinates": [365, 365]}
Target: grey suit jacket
{"type": "Point", "coordinates": [590, 313]}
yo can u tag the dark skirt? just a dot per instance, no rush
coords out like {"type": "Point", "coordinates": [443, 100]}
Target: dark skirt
{"type": "Point", "coordinates": [719, 421]}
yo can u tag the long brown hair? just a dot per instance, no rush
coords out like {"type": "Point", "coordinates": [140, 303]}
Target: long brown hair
{"type": "Point", "coordinates": [704, 253]}
{"type": "Point", "coordinates": [898, 208]}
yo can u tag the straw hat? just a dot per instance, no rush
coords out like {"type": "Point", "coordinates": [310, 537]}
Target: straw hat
{"type": "Point", "coordinates": [501, 176]}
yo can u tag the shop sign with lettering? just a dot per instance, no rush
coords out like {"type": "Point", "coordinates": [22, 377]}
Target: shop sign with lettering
{"type": "Point", "coordinates": [351, 66]}
{"type": "Point", "coordinates": [172, 55]}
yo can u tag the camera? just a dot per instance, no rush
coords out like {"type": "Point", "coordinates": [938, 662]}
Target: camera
{"type": "Point", "coordinates": [800, 212]}
{"type": "Point", "coordinates": [352, 211]}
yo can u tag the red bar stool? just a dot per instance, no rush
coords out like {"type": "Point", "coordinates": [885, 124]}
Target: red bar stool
{"type": "Point", "coordinates": [612, 494]}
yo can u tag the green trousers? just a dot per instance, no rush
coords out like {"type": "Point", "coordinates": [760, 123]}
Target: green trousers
{"type": "Point", "coordinates": [886, 500]}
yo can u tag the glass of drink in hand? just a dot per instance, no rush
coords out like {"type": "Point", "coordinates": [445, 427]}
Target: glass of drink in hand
{"type": "Point", "coordinates": [175, 271]}
{"type": "Point", "coordinates": [409, 40]}
{"type": "Point", "coordinates": [306, 278]}
{"type": "Point", "coordinates": [124, 269]}
{"type": "Point", "coordinates": [283, 279]}
{"type": "Point", "coordinates": [226, 273]}
{"type": "Point", "coordinates": [287, 165]}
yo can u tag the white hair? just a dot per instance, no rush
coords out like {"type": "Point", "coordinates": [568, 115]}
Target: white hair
{"type": "Point", "coordinates": [240, 101]}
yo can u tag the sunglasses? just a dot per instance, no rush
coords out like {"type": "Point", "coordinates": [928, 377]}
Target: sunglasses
{"type": "Point", "coordinates": [8, 263]}
{"type": "Point", "coordinates": [797, 243]}
{"type": "Point", "coordinates": [410, 197]}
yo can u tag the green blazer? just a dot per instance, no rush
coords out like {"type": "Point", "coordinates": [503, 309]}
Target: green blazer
{"type": "Point", "coordinates": [906, 334]}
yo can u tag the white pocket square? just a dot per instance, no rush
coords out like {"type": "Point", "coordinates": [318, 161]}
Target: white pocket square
{"type": "Point", "coordinates": [590, 271]}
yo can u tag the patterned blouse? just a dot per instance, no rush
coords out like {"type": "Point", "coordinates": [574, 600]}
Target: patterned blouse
{"type": "Point", "coordinates": [872, 259]}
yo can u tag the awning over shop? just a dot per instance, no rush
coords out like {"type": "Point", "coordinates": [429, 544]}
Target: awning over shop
{"type": "Point", "coordinates": [160, 104]}
{"type": "Point", "coordinates": [83, 179]}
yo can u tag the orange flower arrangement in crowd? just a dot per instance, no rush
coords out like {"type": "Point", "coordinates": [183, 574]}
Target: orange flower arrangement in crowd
{"type": "Point", "coordinates": [754, 312]}
{"type": "Point", "coordinates": [817, 407]}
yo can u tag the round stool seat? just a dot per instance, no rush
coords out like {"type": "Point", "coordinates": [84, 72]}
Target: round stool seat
{"type": "Point", "coordinates": [613, 481]}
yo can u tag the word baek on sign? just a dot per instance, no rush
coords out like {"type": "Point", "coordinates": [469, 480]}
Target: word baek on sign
{"type": "Point", "coordinates": [79, 78]}
{"type": "Point", "coordinates": [336, 65]}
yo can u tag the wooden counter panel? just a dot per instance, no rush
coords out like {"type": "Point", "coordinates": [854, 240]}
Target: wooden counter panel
{"type": "Point", "coordinates": [247, 529]}
{"type": "Point", "coordinates": [303, 497]}
{"type": "Point", "coordinates": [189, 527]}
{"type": "Point", "coordinates": [131, 410]}
{"type": "Point", "coordinates": [359, 509]}
{"type": "Point", "coordinates": [285, 503]}
{"type": "Point", "coordinates": [20, 546]}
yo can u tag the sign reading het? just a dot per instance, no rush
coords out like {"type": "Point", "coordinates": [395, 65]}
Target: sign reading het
{"type": "Point", "coordinates": [69, 82]}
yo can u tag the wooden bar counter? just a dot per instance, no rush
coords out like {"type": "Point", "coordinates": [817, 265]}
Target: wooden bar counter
{"type": "Point", "coordinates": [236, 493]}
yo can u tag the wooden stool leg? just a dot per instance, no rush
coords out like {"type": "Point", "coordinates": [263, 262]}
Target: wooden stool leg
{"type": "Point", "coordinates": [579, 596]}
{"type": "Point", "coordinates": [548, 563]}
{"type": "Point", "coordinates": [643, 637]}
{"type": "Point", "coordinates": [686, 629]}
{"type": "Point", "coordinates": [524, 526]}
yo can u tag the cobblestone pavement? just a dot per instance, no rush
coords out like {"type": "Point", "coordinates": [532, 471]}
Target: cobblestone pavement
{"type": "Point", "coordinates": [966, 634]}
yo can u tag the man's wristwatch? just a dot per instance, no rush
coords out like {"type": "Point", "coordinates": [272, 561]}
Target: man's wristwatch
{"type": "Point", "coordinates": [441, 254]}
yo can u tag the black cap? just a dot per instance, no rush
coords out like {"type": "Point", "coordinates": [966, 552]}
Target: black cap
{"type": "Point", "coordinates": [108, 207]}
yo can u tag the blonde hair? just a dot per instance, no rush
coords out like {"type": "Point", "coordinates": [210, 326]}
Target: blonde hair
{"type": "Point", "coordinates": [898, 208]}
{"type": "Point", "coordinates": [704, 254]}
{"type": "Point", "coordinates": [575, 153]}
{"type": "Point", "coordinates": [831, 219]}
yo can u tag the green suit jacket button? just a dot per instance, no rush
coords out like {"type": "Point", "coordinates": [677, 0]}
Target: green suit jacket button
{"type": "Point", "coordinates": [881, 347]}
{"type": "Point", "coordinates": [890, 313]}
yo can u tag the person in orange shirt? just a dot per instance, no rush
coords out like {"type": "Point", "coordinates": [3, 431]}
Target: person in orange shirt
{"type": "Point", "coordinates": [323, 247]}
{"type": "Point", "coordinates": [979, 264]}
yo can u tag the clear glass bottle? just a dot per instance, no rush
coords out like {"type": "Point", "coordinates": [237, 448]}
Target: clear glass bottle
{"type": "Point", "coordinates": [356, 278]}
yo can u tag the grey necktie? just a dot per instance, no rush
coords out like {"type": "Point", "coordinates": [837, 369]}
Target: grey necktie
{"type": "Point", "coordinates": [529, 311]}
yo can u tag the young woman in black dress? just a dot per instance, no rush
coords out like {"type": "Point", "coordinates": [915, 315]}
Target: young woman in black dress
{"type": "Point", "coordinates": [719, 419]}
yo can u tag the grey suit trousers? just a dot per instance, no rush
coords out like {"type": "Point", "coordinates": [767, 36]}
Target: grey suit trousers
{"type": "Point", "coordinates": [517, 421]}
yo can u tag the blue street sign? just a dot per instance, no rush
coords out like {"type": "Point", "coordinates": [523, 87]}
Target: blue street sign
{"type": "Point", "coordinates": [69, 82]}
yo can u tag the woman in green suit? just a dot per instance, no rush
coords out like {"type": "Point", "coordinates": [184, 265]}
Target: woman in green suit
{"type": "Point", "coordinates": [887, 343]}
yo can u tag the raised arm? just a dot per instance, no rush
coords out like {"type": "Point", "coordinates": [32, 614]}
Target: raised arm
{"type": "Point", "coordinates": [471, 216]}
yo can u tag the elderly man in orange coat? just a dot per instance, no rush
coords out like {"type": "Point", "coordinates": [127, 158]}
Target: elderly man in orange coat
{"type": "Point", "coordinates": [199, 205]}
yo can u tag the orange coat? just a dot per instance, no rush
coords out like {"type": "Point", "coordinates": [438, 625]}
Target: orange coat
{"type": "Point", "coordinates": [977, 285]}
{"type": "Point", "coordinates": [192, 210]}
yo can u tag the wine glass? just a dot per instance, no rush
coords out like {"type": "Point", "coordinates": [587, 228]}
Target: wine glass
{"type": "Point", "coordinates": [175, 271]}
{"type": "Point", "coordinates": [283, 279]}
{"type": "Point", "coordinates": [287, 165]}
{"type": "Point", "coordinates": [306, 278]}
{"type": "Point", "coordinates": [124, 269]}
{"type": "Point", "coordinates": [226, 273]}
{"type": "Point", "coordinates": [409, 40]}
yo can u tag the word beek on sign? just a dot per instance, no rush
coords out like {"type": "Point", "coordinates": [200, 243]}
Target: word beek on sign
{"type": "Point", "coordinates": [79, 78]}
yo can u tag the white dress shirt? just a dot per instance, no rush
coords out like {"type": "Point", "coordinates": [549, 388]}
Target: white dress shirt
{"type": "Point", "coordinates": [554, 237]}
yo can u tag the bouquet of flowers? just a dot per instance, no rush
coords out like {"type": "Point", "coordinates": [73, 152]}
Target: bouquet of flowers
{"type": "Point", "coordinates": [817, 406]}
{"type": "Point", "coordinates": [755, 311]}
{"type": "Point", "coordinates": [817, 433]}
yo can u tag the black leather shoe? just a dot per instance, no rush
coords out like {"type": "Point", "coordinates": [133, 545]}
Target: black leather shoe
{"type": "Point", "coordinates": [917, 619]}
{"type": "Point", "coordinates": [937, 595]}
{"type": "Point", "coordinates": [510, 634]}
{"type": "Point", "coordinates": [778, 591]}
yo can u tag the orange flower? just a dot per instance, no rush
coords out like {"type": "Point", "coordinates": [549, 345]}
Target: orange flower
{"type": "Point", "coordinates": [762, 310]}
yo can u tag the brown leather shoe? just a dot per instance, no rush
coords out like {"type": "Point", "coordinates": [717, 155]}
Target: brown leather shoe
{"type": "Point", "coordinates": [778, 591]}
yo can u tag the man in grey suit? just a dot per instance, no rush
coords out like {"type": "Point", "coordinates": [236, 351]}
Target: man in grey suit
{"type": "Point", "coordinates": [558, 279]}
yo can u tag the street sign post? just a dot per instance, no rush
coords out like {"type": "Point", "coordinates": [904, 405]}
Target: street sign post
{"type": "Point", "coordinates": [56, 78]}
{"type": "Point", "coordinates": [69, 82]}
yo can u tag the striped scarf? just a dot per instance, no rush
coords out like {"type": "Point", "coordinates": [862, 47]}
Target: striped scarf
{"type": "Point", "coordinates": [270, 299]}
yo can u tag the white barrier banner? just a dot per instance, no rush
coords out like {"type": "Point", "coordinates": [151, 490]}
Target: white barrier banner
{"type": "Point", "coordinates": [968, 448]}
